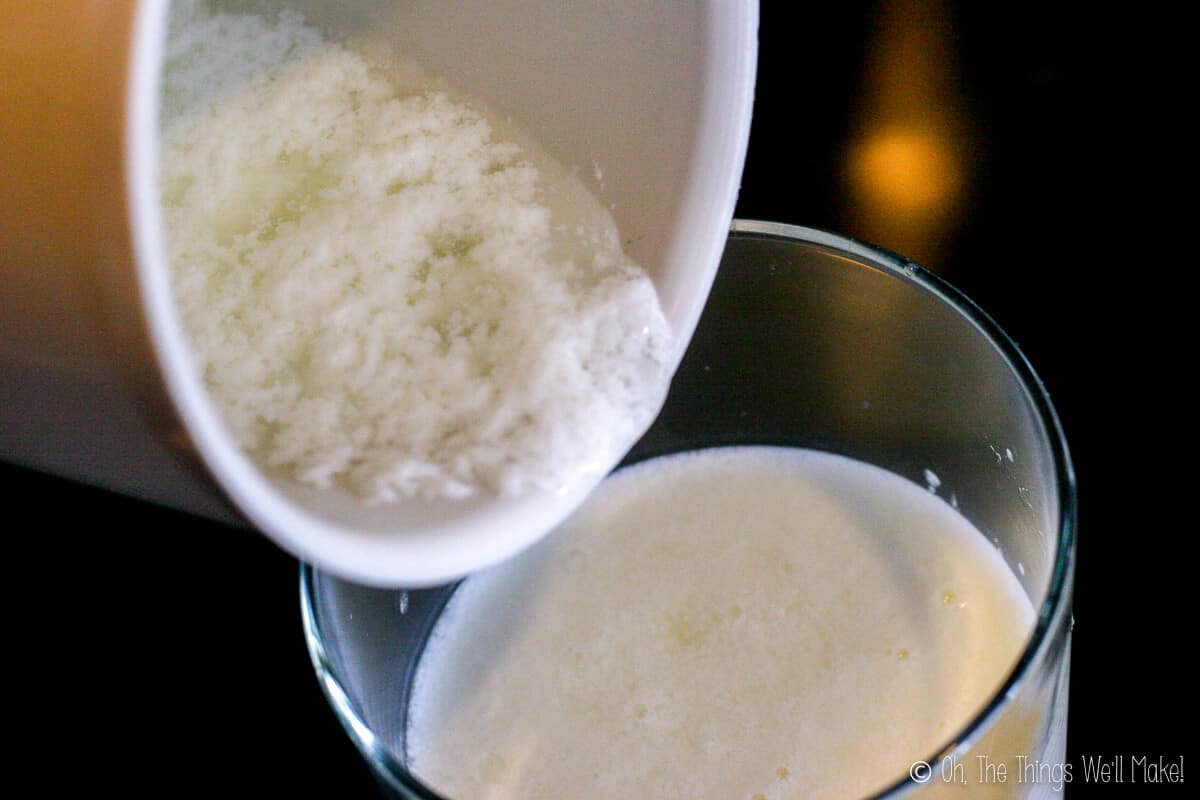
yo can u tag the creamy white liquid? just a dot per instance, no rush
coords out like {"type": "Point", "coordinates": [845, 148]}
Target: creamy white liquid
{"type": "Point", "coordinates": [737, 623]}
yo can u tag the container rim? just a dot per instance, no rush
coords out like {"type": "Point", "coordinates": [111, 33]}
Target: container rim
{"type": "Point", "coordinates": [1052, 616]}
{"type": "Point", "coordinates": [411, 542]}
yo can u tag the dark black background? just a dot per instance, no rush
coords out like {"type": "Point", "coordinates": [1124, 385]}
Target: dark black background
{"type": "Point", "coordinates": [164, 653]}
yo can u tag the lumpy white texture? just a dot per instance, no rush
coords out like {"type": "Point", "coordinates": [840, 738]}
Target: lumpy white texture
{"type": "Point", "coordinates": [382, 294]}
{"type": "Point", "coordinates": [733, 623]}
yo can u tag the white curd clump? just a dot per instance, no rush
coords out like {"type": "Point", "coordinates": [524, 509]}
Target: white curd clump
{"type": "Point", "coordinates": [382, 294]}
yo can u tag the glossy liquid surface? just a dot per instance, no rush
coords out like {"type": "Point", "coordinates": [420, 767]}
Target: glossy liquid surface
{"type": "Point", "coordinates": [730, 623]}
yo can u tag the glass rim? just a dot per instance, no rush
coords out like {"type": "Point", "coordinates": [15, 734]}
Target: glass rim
{"type": "Point", "coordinates": [1052, 615]}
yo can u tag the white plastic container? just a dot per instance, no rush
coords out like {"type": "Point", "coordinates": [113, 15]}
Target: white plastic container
{"type": "Point", "coordinates": [94, 383]}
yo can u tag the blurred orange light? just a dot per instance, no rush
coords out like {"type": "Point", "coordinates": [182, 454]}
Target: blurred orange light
{"type": "Point", "coordinates": [906, 170]}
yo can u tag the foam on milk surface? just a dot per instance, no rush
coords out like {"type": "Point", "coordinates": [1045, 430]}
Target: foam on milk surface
{"type": "Point", "coordinates": [731, 623]}
{"type": "Point", "coordinates": [383, 294]}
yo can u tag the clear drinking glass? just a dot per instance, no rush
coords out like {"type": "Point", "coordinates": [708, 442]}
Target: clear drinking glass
{"type": "Point", "coordinates": [813, 340]}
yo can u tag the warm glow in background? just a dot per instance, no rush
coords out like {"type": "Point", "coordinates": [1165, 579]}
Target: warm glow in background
{"type": "Point", "coordinates": [908, 166]}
